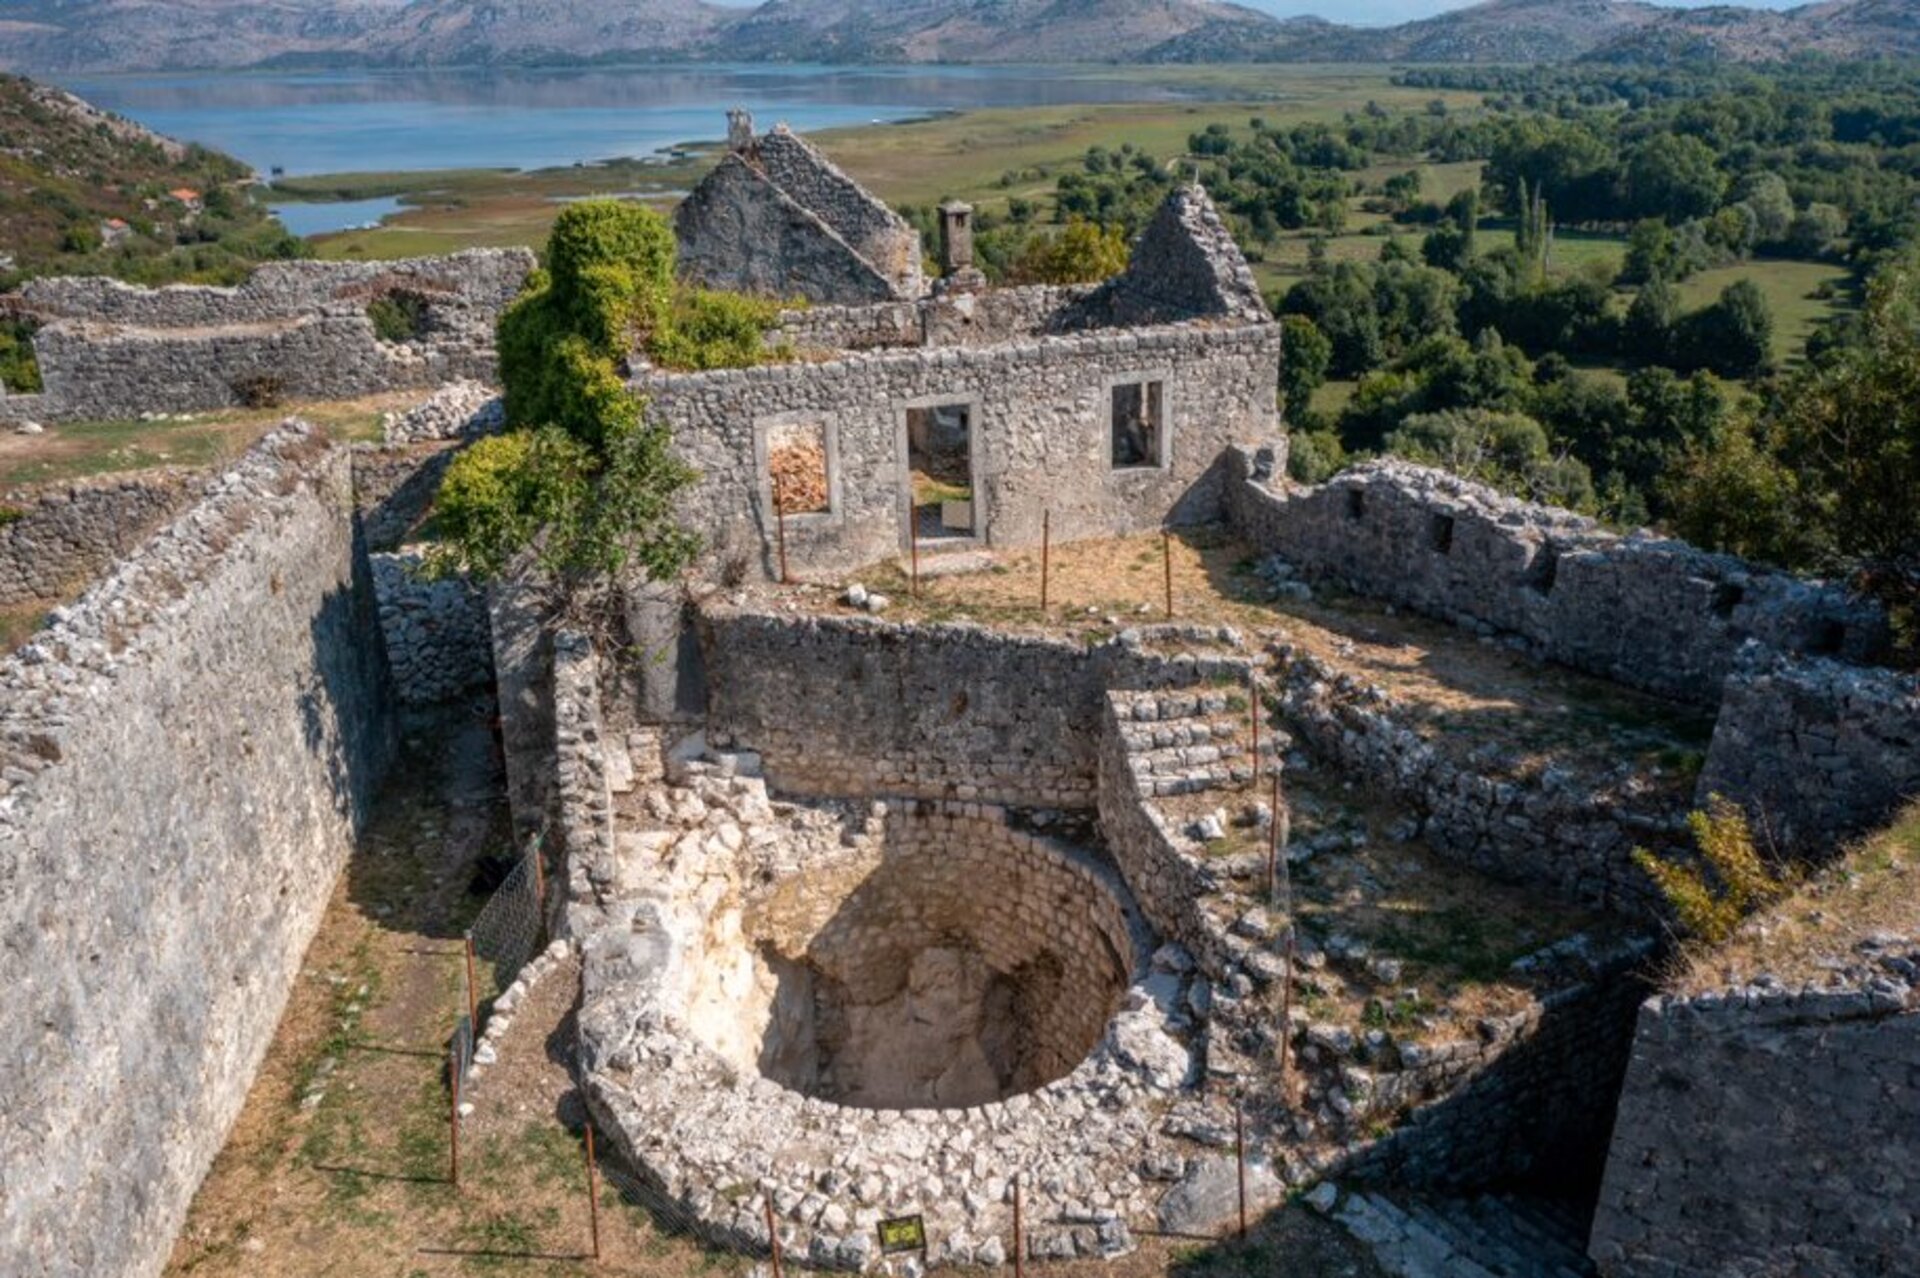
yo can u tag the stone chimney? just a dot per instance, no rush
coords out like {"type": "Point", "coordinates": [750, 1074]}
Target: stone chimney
{"type": "Point", "coordinates": [739, 129]}
{"type": "Point", "coordinates": [956, 238]}
{"type": "Point", "coordinates": [957, 272]}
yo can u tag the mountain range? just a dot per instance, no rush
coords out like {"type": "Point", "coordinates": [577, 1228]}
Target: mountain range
{"type": "Point", "coordinates": [69, 36]}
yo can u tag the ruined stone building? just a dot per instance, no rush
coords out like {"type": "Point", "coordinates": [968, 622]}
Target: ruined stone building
{"type": "Point", "coordinates": [873, 915]}
{"type": "Point", "coordinates": [776, 217]}
{"type": "Point", "coordinates": [1103, 409]}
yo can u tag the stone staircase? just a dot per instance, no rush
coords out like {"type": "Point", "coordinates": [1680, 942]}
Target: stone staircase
{"type": "Point", "coordinates": [1188, 741]}
{"type": "Point", "coordinates": [1490, 1236]}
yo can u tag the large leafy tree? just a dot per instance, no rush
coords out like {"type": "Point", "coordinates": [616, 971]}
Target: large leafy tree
{"type": "Point", "coordinates": [582, 479]}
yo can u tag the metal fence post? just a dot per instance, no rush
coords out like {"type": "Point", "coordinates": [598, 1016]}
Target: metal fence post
{"type": "Point", "coordinates": [1240, 1159]}
{"type": "Point", "coordinates": [1166, 558]}
{"type": "Point", "coordinates": [593, 1192]}
{"type": "Point", "coordinates": [1019, 1234]}
{"type": "Point", "coordinates": [473, 988]}
{"type": "Point", "coordinates": [780, 525]}
{"type": "Point", "coordinates": [1046, 555]}
{"type": "Point", "coordinates": [453, 1110]}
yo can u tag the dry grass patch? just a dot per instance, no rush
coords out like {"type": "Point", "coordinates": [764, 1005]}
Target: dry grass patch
{"type": "Point", "coordinates": [1873, 888]}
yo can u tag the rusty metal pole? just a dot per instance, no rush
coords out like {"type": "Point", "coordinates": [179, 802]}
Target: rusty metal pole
{"type": "Point", "coordinates": [773, 1234]}
{"type": "Point", "coordinates": [1253, 713]}
{"type": "Point", "coordinates": [780, 526]}
{"type": "Point", "coordinates": [473, 993]}
{"type": "Point", "coordinates": [1166, 557]}
{"type": "Point", "coordinates": [539, 877]}
{"type": "Point", "coordinates": [1273, 847]}
{"type": "Point", "coordinates": [913, 538]}
{"type": "Point", "coordinates": [1046, 555]}
{"type": "Point", "coordinates": [1019, 1234]}
{"type": "Point", "coordinates": [593, 1193]}
{"type": "Point", "coordinates": [1240, 1159]}
{"type": "Point", "coordinates": [1286, 1018]}
{"type": "Point", "coordinates": [453, 1111]}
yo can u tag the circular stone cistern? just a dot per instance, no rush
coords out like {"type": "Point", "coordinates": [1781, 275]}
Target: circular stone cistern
{"type": "Point", "coordinates": [861, 1011]}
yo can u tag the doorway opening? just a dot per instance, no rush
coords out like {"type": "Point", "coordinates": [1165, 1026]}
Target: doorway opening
{"type": "Point", "coordinates": [940, 470]}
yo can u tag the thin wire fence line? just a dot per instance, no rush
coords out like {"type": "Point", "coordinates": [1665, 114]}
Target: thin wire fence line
{"type": "Point", "coordinates": [509, 929]}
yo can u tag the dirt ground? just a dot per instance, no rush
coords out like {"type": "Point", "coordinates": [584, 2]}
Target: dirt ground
{"type": "Point", "coordinates": [1464, 694]}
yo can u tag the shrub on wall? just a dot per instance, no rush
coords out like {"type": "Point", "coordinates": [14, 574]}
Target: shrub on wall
{"type": "Point", "coordinates": [1731, 881]}
{"type": "Point", "coordinates": [583, 479]}
{"type": "Point", "coordinates": [19, 370]}
{"type": "Point", "coordinates": [398, 317]}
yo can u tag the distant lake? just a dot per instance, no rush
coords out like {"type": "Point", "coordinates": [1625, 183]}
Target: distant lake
{"type": "Point", "coordinates": [337, 215]}
{"type": "Point", "coordinates": [378, 121]}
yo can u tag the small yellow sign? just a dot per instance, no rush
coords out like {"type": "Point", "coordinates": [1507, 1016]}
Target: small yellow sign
{"type": "Point", "coordinates": [902, 1234]}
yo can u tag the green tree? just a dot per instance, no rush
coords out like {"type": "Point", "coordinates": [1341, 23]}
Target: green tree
{"type": "Point", "coordinates": [1675, 176]}
{"type": "Point", "coordinates": [1850, 429]}
{"type": "Point", "coordinates": [1648, 332]}
{"type": "Point", "coordinates": [1766, 196]}
{"type": "Point", "coordinates": [1731, 493]}
{"type": "Point", "coordinates": [1733, 337]}
{"type": "Point", "coordinates": [1509, 451]}
{"type": "Point", "coordinates": [1306, 355]}
{"type": "Point", "coordinates": [1080, 253]}
{"type": "Point", "coordinates": [1814, 232]}
{"type": "Point", "coordinates": [583, 479]}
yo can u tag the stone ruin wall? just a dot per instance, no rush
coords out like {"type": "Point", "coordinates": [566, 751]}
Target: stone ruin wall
{"type": "Point", "coordinates": [191, 749]}
{"type": "Point", "coordinates": [1819, 744]}
{"type": "Point", "coordinates": [1041, 437]}
{"type": "Point", "coordinates": [852, 708]}
{"type": "Point", "coordinates": [985, 318]}
{"type": "Point", "coordinates": [739, 232]}
{"type": "Point", "coordinates": [874, 231]}
{"type": "Point", "coordinates": [1821, 749]}
{"type": "Point", "coordinates": [65, 535]}
{"type": "Point", "coordinates": [294, 329]}
{"type": "Point", "coordinates": [1769, 1130]}
{"type": "Point", "coordinates": [1644, 612]}
{"type": "Point", "coordinates": [1564, 839]}
{"type": "Point", "coordinates": [436, 630]}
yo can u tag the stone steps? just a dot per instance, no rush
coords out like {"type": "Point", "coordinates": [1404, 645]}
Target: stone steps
{"type": "Point", "coordinates": [1489, 1236]}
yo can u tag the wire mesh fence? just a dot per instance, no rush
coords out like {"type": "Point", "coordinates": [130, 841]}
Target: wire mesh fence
{"type": "Point", "coordinates": [507, 932]}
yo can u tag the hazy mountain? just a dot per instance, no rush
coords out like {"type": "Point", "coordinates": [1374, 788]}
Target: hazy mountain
{"type": "Point", "coordinates": [977, 30]}
{"type": "Point", "coordinates": [112, 35]}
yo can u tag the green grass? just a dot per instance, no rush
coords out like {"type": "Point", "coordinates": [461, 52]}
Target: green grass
{"type": "Point", "coordinates": [1789, 287]}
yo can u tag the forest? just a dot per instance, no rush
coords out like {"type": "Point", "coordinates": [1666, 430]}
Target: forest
{"type": "Point", "coordinates": [1481, 330]}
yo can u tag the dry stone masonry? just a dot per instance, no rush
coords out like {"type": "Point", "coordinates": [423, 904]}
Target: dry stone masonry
{"type": "Point", "coordinates": [1771, 1128]}
{"type": "Point", "coordinates": [776, 217]}
{"type": "Point", "coordinates": [294, 330]}
{"type": "Point", "coordinates": [189, 749]}
{"type": "Point", "coordinates": [58, 537]}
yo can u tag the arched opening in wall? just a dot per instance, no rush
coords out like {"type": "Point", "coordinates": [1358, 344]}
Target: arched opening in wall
{"type": "Point", "coordinates": [19, 365]}
{"type": "Point", "coordinates": [1440, 534]}
{"type": "Point", "coordinates": [970, 963]}
{"type": "Point", "coordinates": [400, 316]}
{"type": "Point", "coordinates": [1356, 503]}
